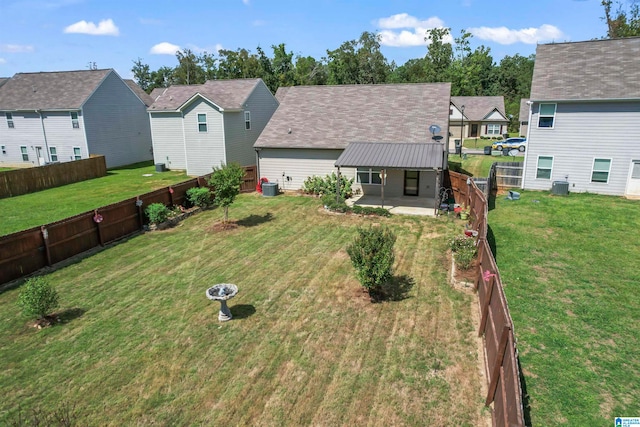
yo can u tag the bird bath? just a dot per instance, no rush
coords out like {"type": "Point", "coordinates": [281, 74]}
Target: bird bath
{"type": "Point", "coordinates": [222, 292]}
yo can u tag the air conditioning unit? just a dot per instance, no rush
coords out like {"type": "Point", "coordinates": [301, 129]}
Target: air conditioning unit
{"type": "Point", "coordinates": [560, 188]}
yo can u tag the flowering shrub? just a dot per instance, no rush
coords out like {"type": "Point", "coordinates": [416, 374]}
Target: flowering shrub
{"type": "Point", "coordinates": [464, 251]}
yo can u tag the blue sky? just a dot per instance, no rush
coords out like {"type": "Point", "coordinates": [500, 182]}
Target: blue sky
{"type": "Point", "coordinates": [54, 35]}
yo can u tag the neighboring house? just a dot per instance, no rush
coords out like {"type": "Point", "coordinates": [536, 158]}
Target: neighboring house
{"type": "Point", "coordinates": [197, 127]}
{"type": "Point", "coordinates": [3, 80]}
{"type": "Point", "coordinates": [363, 129]}
{"type": "Point", "coordinates": [523, 117]}
{"type": "Point", "coordinates": [69, 115]}
{"type": "Point", "coordinates": [144, 96]}
{"type": "Point", "coordinates": [483, 116]}
{"type": "Point", "coordinates": [585, 110]}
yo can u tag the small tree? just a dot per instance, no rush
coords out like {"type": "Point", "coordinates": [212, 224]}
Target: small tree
{"type": "Point", "coordinates": [37, 298]}
{"type": "Point", "coordinates": [372, 256]}
{"type": "Point", "coordinates": [226, 181]}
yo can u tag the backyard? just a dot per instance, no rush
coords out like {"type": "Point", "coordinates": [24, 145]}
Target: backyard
{"type": "Point", "coordinates": [43, 207]}
{"type": "Point", "coordinates": [140, 344]}
{"type": "Point", "coordinates": [570, 269]}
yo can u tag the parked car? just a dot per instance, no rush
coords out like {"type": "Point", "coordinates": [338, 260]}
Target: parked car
{"type": "Point", "coordinates": [511, 143]}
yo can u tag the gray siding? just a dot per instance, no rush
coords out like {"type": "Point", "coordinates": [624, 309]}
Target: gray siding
{"type": "Point", "coordinates": [168, 140]}
{"type": "Point", "coordinates": [63, 136]}
{"type": "Point", "coordinates": [299, 164]}
{"type": "Point", "coordinates": [204, 149]}
{"type": "Point", "coordinates": [581, 133]}
{"type": "Point", "coordinates": [395, 184]}
{"type": "Point", "coordinates": [239, 141]}
{"type": "Point", "coordinates": [27, 132]}
{"type": "Point", "coordinates": [117, 123]}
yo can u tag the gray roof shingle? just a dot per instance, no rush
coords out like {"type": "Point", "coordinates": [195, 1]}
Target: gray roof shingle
{"type": "Point", "coordinates": [524, 110]}
{"type": "Point", "coordinates": [392, 155]}
{"type": "Point", "coordinates": [591, 70]}
{"type": "Point", "coordinates": [144, 96]}
{"type": "Point", "coordinates": [227, 94]}
{"type": "Point", "coordinates": [58, 90]}
{"type": "Point", "coordinates": [3, 80]}
{"type": "Point", "coordinates": [330, 117]}
{"type": "Point", "coordinates": [477, 108]}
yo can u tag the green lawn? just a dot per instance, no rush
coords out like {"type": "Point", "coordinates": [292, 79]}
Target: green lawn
{"type": "Point", "coordinates": [570, 267]}
{"type": "Point", "coordinates": [31, 210]}
{"type": "Point", "coordinates": [478, 165]}
{"type": "Point", "coordinates": [5, 169]}
{"type": "Point", "coordinates": [141, 344]}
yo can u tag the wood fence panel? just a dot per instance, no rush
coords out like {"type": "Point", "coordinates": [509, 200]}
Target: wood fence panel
{"type": "Point", "coordinates": [72, 236]}
{"type": "Point", "coordinates": [250, 179]}
{"type": "Point", "coordinates": [179, 195]}
{"type": "Point", "coordinates": [508, 174]}
{"type": "Point", "coordinates": [21, 253]}
{"type": "Point", "coordinates": [118, 220]}
{"type": "Point", "coordinates": [29, 180]}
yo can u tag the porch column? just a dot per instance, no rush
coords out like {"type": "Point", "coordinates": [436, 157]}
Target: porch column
{"type": "Point", "coordinates": [382, 179]}
{"type": "Point", "coordinates": [338, 187]}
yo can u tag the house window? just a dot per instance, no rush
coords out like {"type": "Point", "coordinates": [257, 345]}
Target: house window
{"type": "Point", "coordinates": [247, 120]}
{"type": "Point", "coordinates": [53, 153]}
{"type": "Point", "coordinates": [74, 120]}
{"type": "Point", "coordinates": [9, 117]}
{"type": "Point", "coordinates": [25, 155]}
{"type": "Point", "coordinates": [600, 172]}
{"type": "Point", "coordinates": [493, 129]}
{"type": "Point", "coordinates": [545, 163]}
{"type": "Point", "coordinates": [369, 176]}
{"type": "Point", "coordinates": [547, 115]}
{"type": "Point", "coordinates": [77, 155]}
{"type": "Point", "coordinates": [4, 150]}
{"type": "Point", "coordinates": [202, 122]}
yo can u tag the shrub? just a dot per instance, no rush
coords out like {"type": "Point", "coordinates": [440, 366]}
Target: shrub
{"type": "Point", "coordinates": [464, 251]}
{"type": "Point", "coordinates": [326, 185]}
{"type": "Point", "coordinates": [199, 196]}
{"type": "Point", "coordinates": [332, 203]}
{"type": "Point", "coordinates": [372, 256]}
{"type": "Point", "coordinates": [226, 181]}
{"type": "Point", "coordinates": [499, 138]}
{"type": "Point", "coordinates": [366, 210]}
{"type": "Point", "coordinates": [37, 298]}
{"type": "Point", "coordinates": [157, 213]}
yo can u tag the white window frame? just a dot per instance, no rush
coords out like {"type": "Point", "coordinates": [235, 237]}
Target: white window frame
{"type": "Point", "coordinates": [77, 153]}
{"type": "Point", "coordinates": [370, 174]}
{"type": "Point", "coordinates": [10, 123]}
{"type": "Point", "coordinates": [491, 127]}
{"type": "Point", "coordinates": [546, 116]}
{"type": "Point", "coordinates": [538, 168]}
{"type": "Point", "coordinates": [4, 149]}
{"type": "Point", "coordinates": [200, 124]}
{"type": "Point", "coordinates": [75, 122]}
{"type": "Point", "coordinates": [25, 153]}
{"type": "Point", "coordinates": [247, 120]}
{"type": "Point", "coordinates": [608, 171]}
{"type": "Point", "coordinates": [53, 154]}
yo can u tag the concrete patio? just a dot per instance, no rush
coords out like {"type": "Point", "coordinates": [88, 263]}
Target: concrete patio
{"type": "Point", "coordinates": [397, 205]}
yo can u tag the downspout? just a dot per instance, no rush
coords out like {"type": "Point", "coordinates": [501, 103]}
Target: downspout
{"type": "Point", "coordinates": [44, 134]}
{"type": "Point", "coordinates": [526, 153]}
{"type": "Point", "coordinates": [257, 150]}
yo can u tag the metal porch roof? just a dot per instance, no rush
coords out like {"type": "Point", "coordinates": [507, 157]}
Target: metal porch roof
{"type": "Point", "coordinates": [393, 155]}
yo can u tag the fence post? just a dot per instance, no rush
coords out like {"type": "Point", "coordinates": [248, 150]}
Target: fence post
{"type": "Point", "coordinates": [487, 304]}
{"type": "Point", "coordinates": [171, 196]}
{"type": "Point", "coordinates": [502, 348]}
{"type": "Point", "coordinates": [140, 217]}
{"type": "Point", "coordinates": [45, 237]}
{"type": "Point", "coordinates": [97, 218]}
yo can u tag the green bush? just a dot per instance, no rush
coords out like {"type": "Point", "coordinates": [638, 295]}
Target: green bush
{"type": "Point", "coordinates": [366, 210]}
{"type": "Point", "coordinates": [372, 256]}
{"type": "Point", "coordinates": [332, 203]}
{"type": "Point", "coordinates": [464, 251]}
{"type": "Point", "coordinates": [37, 298]}
{"type": "Point", "coordinates": [157, 213]}
{"type": "Point", "coordinates": [326, 185]}
{"type": "Point", "coordinates": [499, 138]}
{"type": "Point", "coordinates": [200, 196]}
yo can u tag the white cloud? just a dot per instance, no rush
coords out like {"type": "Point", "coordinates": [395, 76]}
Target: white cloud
{"type": "Point", "coordinates": [504, 35]}
{"type": "Point", "coordinates": [207, 49]}
{"type": "Point", "coordinates": [412, 30]}
{"type": "Point", "coordinates": [246, 2]}
{"type": "Point", "coordinates": [106, 27]}
{"type": "Point", "coordinates": [16, 48]}
{"type": "Point", "coordinates": [164, 48]}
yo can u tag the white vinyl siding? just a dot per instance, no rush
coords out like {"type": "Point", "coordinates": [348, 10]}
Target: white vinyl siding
{"type": "Point", "coordinates": [547, 115]}
{"type": "Point", "coordinates": [116, 124]}
{"type": "Point", "coordinates": [204, 150]}
{"type": "Point", "coordinates": [584, 131]}
{"type": "Point", "coordinates": [168, 140]}
{"type": "Point", "coordinates": [61, 134]}
{"type": "Point", "coordinates": [600, 170]}
{"type": "Point", "coordinates": [545, 166]}
{"type": "Point", "coordinates": [10, 123]}
{"type": "Point", "coordinates": [4, 150]}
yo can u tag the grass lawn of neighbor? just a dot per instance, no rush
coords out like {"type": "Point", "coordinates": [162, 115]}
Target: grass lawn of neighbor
{"type": "Point", "coordinates": [140, 344]}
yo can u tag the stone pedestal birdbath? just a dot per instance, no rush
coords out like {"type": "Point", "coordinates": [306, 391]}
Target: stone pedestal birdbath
{"type": "Point", "coordinates": [222, 292]}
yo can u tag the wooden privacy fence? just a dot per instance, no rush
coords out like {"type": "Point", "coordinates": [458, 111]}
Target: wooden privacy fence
{"type": "Point", "coordinates": [506, 175]}
{"type": "Point", "coordinates": [24, 181]}
{"type": "Point", "coordinates": [28, 251]}
{"type": "Point", "coordinates": [496, 326]}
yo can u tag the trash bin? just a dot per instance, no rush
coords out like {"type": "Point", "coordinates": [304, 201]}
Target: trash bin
{"type": "Point", "coordinates": [160, 167]}
{"type": "Point", "coordinates": [269, 189]}
{"type": "Point", "coordinates": [487, 150]}
{"type": "Point", "coordinates": [458, 146]}
{"type": "Point", "coordinates": [505, 151]}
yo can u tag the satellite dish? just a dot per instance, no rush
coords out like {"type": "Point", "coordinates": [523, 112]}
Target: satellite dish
{"type": "Point", "coordinates": [434, 129]}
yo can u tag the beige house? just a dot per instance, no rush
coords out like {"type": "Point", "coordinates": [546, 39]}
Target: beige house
{"type": "Point", "coordinates": [480, 116]}
{"type": "Point", "coordinates": [523, 117]}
